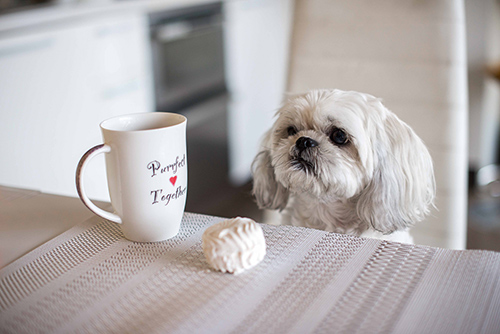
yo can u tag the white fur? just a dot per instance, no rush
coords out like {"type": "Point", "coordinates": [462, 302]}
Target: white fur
{"type": "Point", "coordinates": [379, 184]}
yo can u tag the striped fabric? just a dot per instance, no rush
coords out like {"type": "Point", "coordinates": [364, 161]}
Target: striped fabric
{"type": "Point", "coordinates": [92, 280]}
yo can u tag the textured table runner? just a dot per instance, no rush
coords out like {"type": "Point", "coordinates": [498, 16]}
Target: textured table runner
{"type": "Point", "coordinates": [92, 280]}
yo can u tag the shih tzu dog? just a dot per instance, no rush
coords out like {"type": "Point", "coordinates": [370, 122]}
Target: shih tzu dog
{"type": "Point", "coordinates": [342, 162]}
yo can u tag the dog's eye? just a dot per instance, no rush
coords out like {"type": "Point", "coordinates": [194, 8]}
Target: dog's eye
{"type": "Point", "coordinates": [339, 137]}
{"type": "Point", "coordinates": [291, 130]}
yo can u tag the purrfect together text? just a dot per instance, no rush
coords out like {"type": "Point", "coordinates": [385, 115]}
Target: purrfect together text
{"type": "Point", "coordinates": [156, 167]}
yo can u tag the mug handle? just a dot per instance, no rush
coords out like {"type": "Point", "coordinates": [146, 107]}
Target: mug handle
{"type": "Point", "coordinates": [102, 148]}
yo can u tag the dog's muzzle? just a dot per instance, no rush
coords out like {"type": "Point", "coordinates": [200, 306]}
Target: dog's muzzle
{"type": "Point", "coordinates": [301, 159]}
{"type": "Point", "coordinates": [304, 143]}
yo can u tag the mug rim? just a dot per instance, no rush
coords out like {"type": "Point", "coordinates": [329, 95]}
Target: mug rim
{"type": "Point", "coordinates": [151, 114]}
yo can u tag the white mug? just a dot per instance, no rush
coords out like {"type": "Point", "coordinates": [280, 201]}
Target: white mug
{"type": "Point", "coordinates": [146, 168]}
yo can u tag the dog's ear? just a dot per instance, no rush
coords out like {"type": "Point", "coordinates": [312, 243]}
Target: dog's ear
{"type": "Point", "coordinates": [269, 193]}
{"type": "Point", "coordinates": [403, 188]}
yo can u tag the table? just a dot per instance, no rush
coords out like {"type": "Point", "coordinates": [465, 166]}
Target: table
{"type": "Point", "coordinates": [90, 279]}
{"type": "Point", "coordinates": [29, 218]}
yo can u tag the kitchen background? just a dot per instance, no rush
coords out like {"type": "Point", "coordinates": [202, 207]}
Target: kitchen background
{"type": "Point", "coordinates": [67, 65]}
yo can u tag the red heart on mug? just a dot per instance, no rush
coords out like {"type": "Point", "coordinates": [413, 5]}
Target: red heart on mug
{"type": "Point", "coordinates": [173, 179]}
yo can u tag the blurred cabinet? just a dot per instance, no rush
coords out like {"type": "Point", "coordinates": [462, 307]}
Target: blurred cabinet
{"type": "Point", "coordinates": [257, 37]}
{"type": "Point", "coordinates": [57, 83]}
{"type": "Point", "coordinates": [59, 80]}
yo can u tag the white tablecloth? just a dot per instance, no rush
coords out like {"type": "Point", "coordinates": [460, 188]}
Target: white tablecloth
{"type": "Point", "coordinates": [92, 280]}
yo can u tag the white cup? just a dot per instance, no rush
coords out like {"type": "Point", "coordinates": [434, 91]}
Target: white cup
{"type": "Point", "coordinates": [146, 167]}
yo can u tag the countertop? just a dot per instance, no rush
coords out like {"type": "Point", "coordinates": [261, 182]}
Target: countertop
{"type": "Point", "coordinates": [12, 22]}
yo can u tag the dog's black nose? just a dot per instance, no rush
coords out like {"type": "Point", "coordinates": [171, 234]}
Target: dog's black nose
{"type": "Point", "coordinates": [305, 142]}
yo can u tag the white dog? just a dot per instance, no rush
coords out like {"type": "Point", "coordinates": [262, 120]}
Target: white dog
{"type": "Point", "coordinates": [342, 162]}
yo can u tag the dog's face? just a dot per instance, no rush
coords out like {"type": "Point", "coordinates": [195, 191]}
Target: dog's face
{"type": "Point", "coordinates": [331, 145]}
{"type": "Point", "coordinates": [320, 145]}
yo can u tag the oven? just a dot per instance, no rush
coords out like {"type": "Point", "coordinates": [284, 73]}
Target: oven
{"type": "Point", "coordinates": [188, 66]}
{"type": "Point", "coordinates": [188, 56]}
